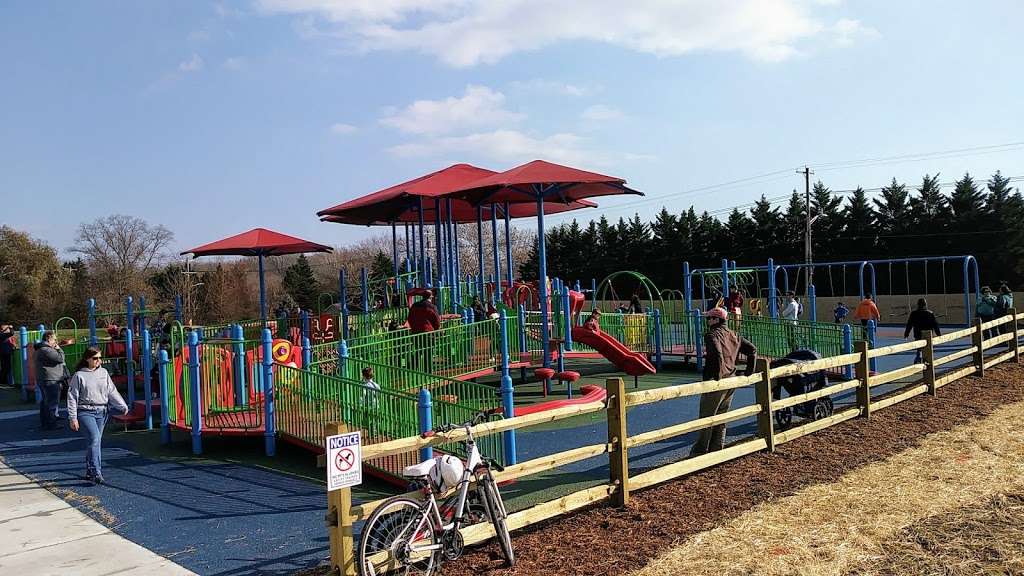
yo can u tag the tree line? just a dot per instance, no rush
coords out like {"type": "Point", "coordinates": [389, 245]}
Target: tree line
{"type": "Point", "coordinates": [977, 218]}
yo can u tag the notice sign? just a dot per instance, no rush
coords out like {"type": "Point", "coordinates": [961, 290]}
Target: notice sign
{"type": "Point", "coordinates": [344, 461]}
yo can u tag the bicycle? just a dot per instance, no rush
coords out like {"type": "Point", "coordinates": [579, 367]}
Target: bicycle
{"type": "Point", "coordinates": [416, 536]}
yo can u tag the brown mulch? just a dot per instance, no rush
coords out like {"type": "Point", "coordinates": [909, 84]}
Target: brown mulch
{"type": "Point", "coordinates": [607, 541]}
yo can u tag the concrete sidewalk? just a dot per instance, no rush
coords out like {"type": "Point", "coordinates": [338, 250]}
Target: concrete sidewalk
{"type": "Point", "coordinates": [43, 534]}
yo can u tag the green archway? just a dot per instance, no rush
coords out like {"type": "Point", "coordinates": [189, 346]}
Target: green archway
{"type": "Point", "coordinates": [606, 289]}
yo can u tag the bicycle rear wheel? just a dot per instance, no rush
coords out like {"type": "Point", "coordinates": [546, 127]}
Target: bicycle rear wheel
{"type": "Point", "coordinates": [496, 511]}
{"type": "Point", "coordinates": [398, 536]}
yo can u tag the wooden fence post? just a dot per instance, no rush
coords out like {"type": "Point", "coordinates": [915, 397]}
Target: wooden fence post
{"type": "Point", "coordinates": [763, 391]}
{"type": "Point", "coordinates": [928, 357]}
{"type": "Point", "coordinates": [617, 455]}
{"type": "Point", "coordinates": [339, 519]}
{"type": "Point", "coordinates": [1015, 343]}
{"type": "Point", "coordinates": [978, 339]}
{"type": "Point", "coordinates": [863, 372]}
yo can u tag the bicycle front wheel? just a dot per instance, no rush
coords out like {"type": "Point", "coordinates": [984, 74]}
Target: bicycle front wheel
{"type": "Point", "coordinates": [398, 537]}
{"type": "Point", "coordinates": [496, 511]}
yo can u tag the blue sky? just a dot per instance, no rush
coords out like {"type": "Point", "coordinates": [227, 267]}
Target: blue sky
{"type": "Point", "coordinates": [213, 118]}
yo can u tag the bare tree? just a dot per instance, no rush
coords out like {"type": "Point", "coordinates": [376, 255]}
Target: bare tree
{"type": "Point", "coordinates": [122, 251]}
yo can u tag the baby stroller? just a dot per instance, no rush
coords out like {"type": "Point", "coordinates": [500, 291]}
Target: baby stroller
{"type": "Point", "coordinates": [801, 384]}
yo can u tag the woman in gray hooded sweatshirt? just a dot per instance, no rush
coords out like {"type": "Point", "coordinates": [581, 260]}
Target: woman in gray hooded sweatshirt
{"type": "Point", "coordinates": [91, 394]}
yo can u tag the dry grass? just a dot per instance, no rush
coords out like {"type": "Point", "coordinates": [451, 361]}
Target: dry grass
{"type": "Point", "coordinates": [91, 505]}
{"type": "Point", "coordinates": [834, 528]}
{"type": "Point", "coordinates": [985, 538]}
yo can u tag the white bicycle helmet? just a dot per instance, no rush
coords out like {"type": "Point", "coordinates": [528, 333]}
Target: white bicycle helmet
{"type": "Point", "coordinates": [446, 472]}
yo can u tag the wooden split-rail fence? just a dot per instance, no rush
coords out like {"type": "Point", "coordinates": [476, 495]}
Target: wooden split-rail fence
{"type": "Point", "coordinates": [342, 515]}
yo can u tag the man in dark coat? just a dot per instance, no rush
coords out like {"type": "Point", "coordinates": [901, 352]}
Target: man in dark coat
{"type": "Point", "coordinates": [920, 320]}
{"type": "Point", "coordinates": [722, 347]}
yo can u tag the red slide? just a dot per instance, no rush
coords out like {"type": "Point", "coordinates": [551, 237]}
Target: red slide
{"type": "Point", "coordinates": [630, 362]}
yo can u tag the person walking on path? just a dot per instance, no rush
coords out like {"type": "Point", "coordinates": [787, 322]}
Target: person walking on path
{"type": "Point", "coordinates": [50, 374]}
{"type": "Point", "coordinates": [91, 396]}
{"type": "Point", "coordinates": [866, 310]}
{"type": "Point", "coordinates": [920, 320]}
{"type": "Point", "coordinates": [985, 308]}
{"type": "Point", "coordinates": [722, 348]}
{"type": "Point", "coordinates": [6, 354]}
{"type": "Point", "coordinates": [791, 312]}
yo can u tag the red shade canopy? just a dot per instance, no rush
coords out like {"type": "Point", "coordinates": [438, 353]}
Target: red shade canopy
{"type": "Point", "coordinates": [256, 242]}
{"type": "Point", "coordinates": [553, 182]}
{"type": "Point", "coordinates": [400, 203]}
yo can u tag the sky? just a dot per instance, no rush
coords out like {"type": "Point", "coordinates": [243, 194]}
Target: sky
{"type": "Point", "coordinates": [214, 118]}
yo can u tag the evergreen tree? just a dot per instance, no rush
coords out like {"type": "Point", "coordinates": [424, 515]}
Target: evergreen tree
{"type": "Point", "coordinates": [929, 219]}
{"type": "Point", "coordinates": [859, 225]}
{"type": "Point", "coordinates": [300, 283]}
{"type": "Point", "coordinates": [829, 224]}
{"type": "Point", "coordinates": [382, 267]}
{"type": "Point", "coordinates": [739, 231]}
{"type": "Point", "coordinates": [892, 216]}
{"type": "Point", "coordinates": [768, 226]}
{"type": "Point", "coordinates": [967, 203]}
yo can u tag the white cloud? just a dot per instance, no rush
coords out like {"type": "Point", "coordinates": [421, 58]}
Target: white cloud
{"type": "Point", "coordinates": [471, 32]}
{"type": "Point", "coordinates": [478, 107]}
{"type": "Point", "coordinates": [506, 146]}
{"type": "Point", "coordinates": [847, 31]}
{"type": "Point", "coordinates": [601, 113]}
{"type": "Point", "coordinates": [193, 64]}
{"type": "Point", "coordinates": [542, 85]}
{"type": "Point", "coordinates": [234, 63]}
{"type": "Point", "coordinates": [342, 128]}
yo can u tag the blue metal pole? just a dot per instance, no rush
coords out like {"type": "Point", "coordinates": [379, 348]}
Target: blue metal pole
{"type": "Point", "coordinates": [423, 247]}
{"type": "Point", "coordinates": [408, 258]}
{"type": "Point", "coordinates": [165, 426]}
{"type": "Point", "coordinates": [687, 288]}
{"type": "Point", "coordinates": [480, 251]}
{"type": "Point", "coordinates": [871, 343]}
{"type": "Point", "coordinates": [657, 339]}
{"type": "Point", "coordinates": [394, 251]}
{"type": "Point", "coordinates": [342, 358]}
{"type": "Point", "coordinates": [129, 307]}
{"type": "Point", "coordinates": [241, 398]}
{"type": "Point", "coordinates": [698, 340]}
{"type": "Point", "coordinates": [507, 392]}
{"type": "Point", "coordinates": [304, 318]}
{"type": "Point", "coordinates": [23, 350]}
{"type": "Point", "coordinates": [195, 392]}
{"type": "Point", "coordinates": [415, 256]}
{"type": "Point", "coordinates": [967, 298]}
{"type": "Point", "coordinates": [147, 382]}
{"type": "Point", "coordinates": [725, 278]}
{"type": "Point", "coordinates": [593, 293]}
{"type": "Point", "coordinates": [364, 284]}
{"type": "Point", "coordinates": [567, 317]}
{"type": "Point", "coordinates": [263, 291]}
{"type": "Point", "coordinates": [91, 306]}
{"type": "Point", "coordinates": [773, 303]}
{"type": "Point", "coordinates": [543, 282]}
{"type": "Point", "coordinates": [510, 273]}
{"type": "Point", "coordinates": [438, 242]}
{"type": "Point", "coordinates": [307, 353]}
{"type": "Point", "coordinates": [269, 427]}
{"type": "Point", "coordinates": [497, 254]}
{"type": "Point", "coordinates": [848, 349]}
{"type": "Point", "coordinates": [142, 313]}
{"type": "Point", "coordinates": [424, 410]}
{"type": "Point", "coordinates": [129, 346]}
{"type": "Point", "coordinates": [812, 297]}
{"type": "Point", "coordinates": [343, 302]}
{"type": "Point", "coordinates": [428, 265]}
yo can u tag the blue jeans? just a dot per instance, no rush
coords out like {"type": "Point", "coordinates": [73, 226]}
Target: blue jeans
{"type": "Point", "coordinates": [91, 423]}
{"type": "Point", "coordinates": [50, 404]}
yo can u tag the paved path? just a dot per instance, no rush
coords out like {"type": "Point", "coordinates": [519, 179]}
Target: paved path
{"type": "Point", "coordinates": [43, 534]}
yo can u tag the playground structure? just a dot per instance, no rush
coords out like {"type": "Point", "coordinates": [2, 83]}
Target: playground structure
{"type": "Point", "coordinates": [902, 281]}
{"type": "Point", "coordinates": [285, 377]}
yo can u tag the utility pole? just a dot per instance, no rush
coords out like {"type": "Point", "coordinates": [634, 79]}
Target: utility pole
{"type": "Point", "coordinates": [808, 258]}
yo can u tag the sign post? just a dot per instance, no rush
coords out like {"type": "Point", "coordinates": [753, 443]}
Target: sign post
{"type": "Point", "coordinates": [344, 469]}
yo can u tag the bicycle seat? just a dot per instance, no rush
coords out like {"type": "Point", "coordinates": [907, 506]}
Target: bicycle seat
{"type": "Point", "coordinates": [420, 470]}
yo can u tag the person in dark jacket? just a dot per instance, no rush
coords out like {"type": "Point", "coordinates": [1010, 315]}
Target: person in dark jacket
{"type": "Point", "coordinates": [722, 348]}
{"type": "Point", "coordinates": [50, 373]}
{"type": "Point", "coordinates": [6, 354]}
{"type": "Point", "coordinates": [635, 307]}
{"type": "Point", "coordinates": [423, 315]}
{"type": "Point", "coordinates": [479, 310]}
{"type": "Point", "coordinates": [920, 320]}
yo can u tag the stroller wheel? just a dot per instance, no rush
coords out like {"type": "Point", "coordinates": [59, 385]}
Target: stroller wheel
{"type": "Point", "coordinates": [822, 410]}
{"type": "Point", "coordinates": [783, 417]}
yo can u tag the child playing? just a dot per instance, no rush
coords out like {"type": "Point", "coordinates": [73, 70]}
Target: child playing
{"type": "Point", "coordinates": [593, 322]}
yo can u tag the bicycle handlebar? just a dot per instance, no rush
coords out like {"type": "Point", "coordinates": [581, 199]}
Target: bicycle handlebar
{"type": "Point", "coordinates": [479, 418]}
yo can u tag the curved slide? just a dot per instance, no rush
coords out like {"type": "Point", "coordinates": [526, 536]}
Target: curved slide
{"type": "Point", "coordinates": [630, 362]}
